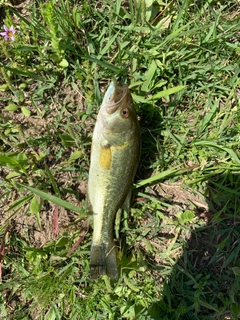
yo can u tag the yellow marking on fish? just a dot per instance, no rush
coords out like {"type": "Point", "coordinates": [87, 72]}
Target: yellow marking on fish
{"type": "Point", "coordinates": [105, 157]}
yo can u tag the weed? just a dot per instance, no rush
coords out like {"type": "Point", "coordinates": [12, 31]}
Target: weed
{"type": "Point", "coordinates": [178, 248]}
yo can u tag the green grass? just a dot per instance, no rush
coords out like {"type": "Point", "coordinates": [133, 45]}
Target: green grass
{"type": "Point", "coordinates": [179, 247]}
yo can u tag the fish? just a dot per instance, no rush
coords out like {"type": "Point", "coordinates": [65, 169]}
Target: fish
{"type": "Point", "coordinates": [115, 153]}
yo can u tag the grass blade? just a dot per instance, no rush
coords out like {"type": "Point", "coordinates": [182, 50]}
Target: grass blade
{"type": "Point", "coordinates": [160, 176]}
{"type": "Point", "coordinates": [53, 199]}
{"type": "Point", "coordinates": [166, 92]}
{"type": "Point", "coordinates": [218, 146]}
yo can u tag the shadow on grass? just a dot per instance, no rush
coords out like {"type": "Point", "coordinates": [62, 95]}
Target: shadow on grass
{"type": "Point", "coordinates": [205, 281]}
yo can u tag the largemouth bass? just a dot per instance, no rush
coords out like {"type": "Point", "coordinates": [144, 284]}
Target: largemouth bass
{"type": "Point", "coordinates": [114, 159]}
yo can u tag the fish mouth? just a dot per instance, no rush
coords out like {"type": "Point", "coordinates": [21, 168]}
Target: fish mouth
{"type": "Point", "coordinates": [115, 95]}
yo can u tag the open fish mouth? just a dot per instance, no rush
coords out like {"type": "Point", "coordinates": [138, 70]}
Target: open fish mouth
{"type": "Point", "coordinates": [115, 95]}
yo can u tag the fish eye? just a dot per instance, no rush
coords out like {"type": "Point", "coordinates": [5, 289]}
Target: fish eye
{"type": "Point", "coordinates": [125, 112]}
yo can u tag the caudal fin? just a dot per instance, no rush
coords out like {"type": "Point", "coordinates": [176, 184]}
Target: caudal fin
{"type": "Point", "coordinates": [103, 261]}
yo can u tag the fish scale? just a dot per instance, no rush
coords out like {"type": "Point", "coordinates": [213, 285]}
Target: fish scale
{"type": "Point", "coordinates": [114, 159]}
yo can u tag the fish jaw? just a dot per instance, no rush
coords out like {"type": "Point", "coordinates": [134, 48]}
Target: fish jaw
{"type": "Point", "coordinates": [114, 96]}
{"type": "Point", "coordinates": [117, 114]}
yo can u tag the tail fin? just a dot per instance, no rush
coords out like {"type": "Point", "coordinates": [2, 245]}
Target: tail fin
{"type": "Point", "coordinates": [103, 261]}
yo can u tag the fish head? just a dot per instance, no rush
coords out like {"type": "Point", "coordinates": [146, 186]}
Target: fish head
{"type": "Point", "coordinates": [117, 111]}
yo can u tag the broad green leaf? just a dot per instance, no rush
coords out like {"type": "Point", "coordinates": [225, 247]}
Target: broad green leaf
{"type": "Point", "coordinates": [138, 98]}
{"type": "Point", "coordinates": [184, 217]}
{"type": "Point", "coordinates": [50, 315]}
{"type": "Point", "coordinates": [63, 241]}
{"type": "Point", "coordinates": [26, 111]}
{"type": "Point", "coordinates": [4, 311]}
{"type": "Point", "coordinates": [67, 140]}
{"type": "Point", "coordinates": [12, 174]}
{"type": "Point", "coordinates": [235, 309]}
{"type": "Point", "coordinates": [64, 63]}
{"type": "Point", "coordinates": [160, 84]}
{"type": "Point", "coordinates": [11, 162]}
{"type": "Point", "coordinates": [11, 107]}
{"type": "Point", "coordinates": [20, 95]}
{"type": "Point", "coordinates": [236, 271]}
{"type": "Point", "coordinates": [22, 158]}
{"type": "Point", "coordinates": [135, 84]}
{"type": "Point", "coordinates": [4, 87]}
{"type": "Point", "coordinates": [75, 155]}
{"type": "Point", "coordinates": [22, 86]}
{"type": "Point", "coordinates": [35, 205]}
